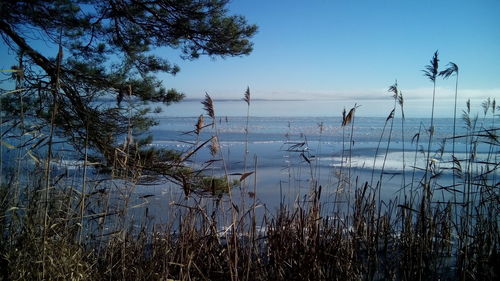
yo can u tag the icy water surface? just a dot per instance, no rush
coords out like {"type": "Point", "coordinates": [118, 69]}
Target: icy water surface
{"type": "Point", "coordinates": [291, 154]}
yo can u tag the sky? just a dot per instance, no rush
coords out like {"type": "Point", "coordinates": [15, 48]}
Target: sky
{"type": "Point", "coordinates": [351, 51]}
{"type": "Point", "coordinates": [322, 49]}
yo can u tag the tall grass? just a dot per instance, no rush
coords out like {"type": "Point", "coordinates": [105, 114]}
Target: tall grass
{"type": "Point", "coordinates": [452, 69]}
{"type": "Point", "coordinates": [431, 72]}
{"type": "Point", "coordinates": [81, 226]}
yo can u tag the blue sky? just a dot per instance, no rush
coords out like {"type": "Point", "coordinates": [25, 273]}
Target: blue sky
{"type": "Point", "coordinates": [351, 51]}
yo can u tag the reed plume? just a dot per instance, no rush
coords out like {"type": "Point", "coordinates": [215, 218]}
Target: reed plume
{"type": "Point", "coordinates": [214, 146]}
{"type": "Point", "coordinates": [347, 119]}
{"type": "Point", "coordinates": [208, 106]}
{"type": "Point", "coordinates": [246, 97]}
{"type": "Point", "coordinates": [199, 125]}
{"type": "Point", "coordinates": [431, 70]}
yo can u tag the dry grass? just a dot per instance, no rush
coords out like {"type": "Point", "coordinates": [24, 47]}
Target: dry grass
{"type": "Point", "coordinates": [62, 233]}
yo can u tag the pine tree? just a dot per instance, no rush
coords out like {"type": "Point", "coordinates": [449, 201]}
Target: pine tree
{"type": "Point", "coordinates": [106, 54]}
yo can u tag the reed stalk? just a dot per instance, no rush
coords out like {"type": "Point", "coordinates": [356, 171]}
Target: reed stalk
{"type": "Point", "coordinates": [55, 93]}
{"type": "Point", "coordinates": [401, 105]}
{"type": "Point", "coordinates": [431, 72]}
{"type": "Point", "coordinates": [362, 242]}
{"type": "Point", "coordinates": [452, 69]}
{"type": "Point", "coordinates": [246, 98]}
{"type": "Point", "coordinates": [84, 185]}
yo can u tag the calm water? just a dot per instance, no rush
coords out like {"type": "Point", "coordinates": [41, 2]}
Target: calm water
{"type": "Point", "coordinates": [286, 174]}
{"type": "Point", "coordinates": [291, 153]}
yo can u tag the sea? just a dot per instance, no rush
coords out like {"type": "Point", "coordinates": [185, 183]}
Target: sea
{"type": "Point", "coordinates": [288, 149]}
{"type": "Point", "coordinates": [288, 155]}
